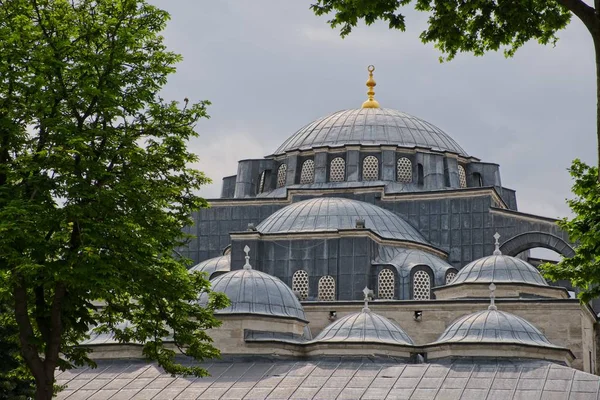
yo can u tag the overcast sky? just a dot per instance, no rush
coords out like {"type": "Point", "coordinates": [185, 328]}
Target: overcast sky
{"type": "Point", "coordinates": [269, 67]}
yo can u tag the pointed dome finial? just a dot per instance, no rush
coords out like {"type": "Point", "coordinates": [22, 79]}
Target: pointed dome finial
{"type": "Point", "coordinates": [492, 297]}
{"type": "Point", "coordinates": [368, 293]}
{"type": "Point", "coordinates": [371, 102]}
{"type": "Point", "coordinates": [497, 251]}
{"type": "Point", "coordinates": [247, 251]}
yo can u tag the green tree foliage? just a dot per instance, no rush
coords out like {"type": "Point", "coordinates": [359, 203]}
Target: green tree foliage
{"type": "Point", "coordinates": [583, 270]}
{"type": "Point", "coordinates": [95, 185]}
{"type": "Point", "coordinates": [475, 26]}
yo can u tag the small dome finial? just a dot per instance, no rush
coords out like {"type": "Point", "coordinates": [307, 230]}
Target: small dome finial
{"type": "Point", "coordinates": [492, 297]}
{"type": "Point", "coordinates": [247, 251]}
{"type": "Point", "coordinates": [371, 102]}
{"type": "Point", "coordinates": [368, 295]}
{"type": "Point", "coordinates": [497, 251]}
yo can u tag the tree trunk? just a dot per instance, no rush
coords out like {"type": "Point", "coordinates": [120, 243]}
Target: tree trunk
{"type": "Point", "coordinates": [597, 54]}
{"type": "Point", "coordinates": [43, 390]}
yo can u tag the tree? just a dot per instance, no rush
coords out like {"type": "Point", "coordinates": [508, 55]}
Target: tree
{"type": "Point", "coordinates": [95, 186]}
{"type": "Point", "coordinates": [583, 269]}
{"type": "Point", "coordinates": [476, 26]}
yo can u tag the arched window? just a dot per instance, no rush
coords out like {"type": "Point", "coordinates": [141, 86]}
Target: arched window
{"type": "Point", "coordinates": [420, 175]}
{"type": "Point", "coordinates": [337, 170]}
{"type": "Point", "coordinates": [300, 284]}
{"type": "Point", "coordinates": [326, 288]}
{"type": "Point", "coordinates": [477, 178]}
{"type": "Point", "coordinates": [450, 276]}
{"type": "Point", "coordinates": [261, 182]}
{"type": "Point", "coordinates": [307, 175]}
{"type": "Point", "coordinates": [370, 170]}
{"type": "Point", "coordinates": [386, 283]}
{"type": "Point", "coordinates": [281, 174]}
{"type": "Point", "coordinates": [421, 285]}
{"type": "Point", "coordinates": [462, 176]}
{"type": "Point", "coordinates": [404, 170]}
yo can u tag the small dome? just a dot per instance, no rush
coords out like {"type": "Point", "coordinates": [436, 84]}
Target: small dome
{"type": "Point", "coordinates": [493, 326]}
{"type": "Point", "coordinates": [330, 214]}
{"type": "Point", "coordinates": [371, 126]}
{"type": "Point", "coordinates": [499, 269]}
{"type": "Point", "coordinates": [255, 292]}
{"type": "Point", "coordinates": [364, 327]}
{"type": "Point", "coordinates": [212, 265]}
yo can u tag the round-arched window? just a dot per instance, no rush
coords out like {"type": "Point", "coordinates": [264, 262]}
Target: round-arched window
{"type": "Point", "coordinates": [307, 175]}
{"type": "Point", "coordinates": [421, 285]}
{"type": "Point", "coordinates": [326, 288]}
{"type": "Point", "coordinates": [370, 171]}
{"type": "Point", "coordinates": [337, 170]}
{"type": "Point", "coordinates": [386, 283]}
{"type": "Point", "coordinates": [450, 277]}
{"type": "Point", "coordinates": [404, 170]}
{"type": "Point", "coordinates": [462, 176]}
{"type": "Point", "coordinates": [281, 175]}
{"type": "Point", "coordinates": [300, 284]}
{"type": "Point", "coordinates": [261, 182]}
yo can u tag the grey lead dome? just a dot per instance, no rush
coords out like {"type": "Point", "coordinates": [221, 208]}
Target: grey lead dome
{"type": "Point", "coordinates": [371, 126]}
{"type": "Point", "coordinates": [329, 214]}
{"type": "Point", "coordinates": [499, 269]}
{"type": "Point", "coordinates": [254, 292]}
{"type": "Point", "coordinates": [365, 326]}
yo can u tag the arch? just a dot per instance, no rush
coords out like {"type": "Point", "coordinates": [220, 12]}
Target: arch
{"type": "Point", "coordinates": [421, 279]}
{"type": "Point", "coordinates": [420, 175]}
{"type": "Point", "coordinates": [477, 179]}
{"type": "Point", "coordinates": [261, 182]}
{"type": "Point", "coordinates": [404, 170]}
{"type": "Point", "coordinates": [337, 170]}
{"type": "Point", "coordinates": [307, 174]}
{"type": "Point", "coordinates": [386, 284]}
{"type": "Point", "coordinates": [281, 175]}
{"type": "Point", "coordinates": [326, 288]}
{"type": "Point", "coordinates": [300, 284]}
{"type": "Point", "coordinates": [530, 240]}
{"type": "Point", "coordinates": [450, 275]}
{"type": "Point", "coordinates": [370, 168]}
{"type": "Point", "coordinates": [462, 177]}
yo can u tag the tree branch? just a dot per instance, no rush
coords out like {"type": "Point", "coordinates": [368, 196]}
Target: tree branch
{"type": "Point", "coordinates": [584, 12]}
{"type": "Point", "coordinates": [26, 335]}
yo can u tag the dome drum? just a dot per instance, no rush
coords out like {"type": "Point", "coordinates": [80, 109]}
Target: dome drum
{"type": "Point", "coordinates": [503, 290]}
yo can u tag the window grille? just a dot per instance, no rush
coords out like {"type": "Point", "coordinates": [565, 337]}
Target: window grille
{"type": "Point", "coordinates": [300, 284]}
{"type": "Point", "coordinates": [307, 175]}
{"type": "Point", "coordinates": [404, 170]}
{"type": "Point", "coordinates": [281, 174]}
{"type": "Point", "coordinates": [386, 284]}
{"type": "Point", "coordinates": [462, 176]}
{"type": "Point", "coordinates": [370, 168]}
{"type": "Point", "coordinates": [421, 285]}
{"type": "Point", "coordinates": [261, 183]}
{"type": "Point", "coordinates": [337, 170]}
{"type": "Point", "coordinates": [450, 277]}
{"type": "Point", "coordinates": [326, 288]}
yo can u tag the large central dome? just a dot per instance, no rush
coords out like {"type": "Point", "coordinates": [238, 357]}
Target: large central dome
{"type": "Point", "coordinates": [371, 126]}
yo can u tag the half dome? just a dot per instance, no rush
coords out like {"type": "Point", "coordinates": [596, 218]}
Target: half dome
{"type": "Point", "coordinates": [330, 214]}
{"type": "Point", "coordinates": [255, 292]}
{"type": "Point", "coordinates": [493, 326]}
{"type": "Point", "coordinates": [213, 265]}
{"type": "Point", "coordinates": [499, 269]}
{"type": "Point", "coordinates": [371, 126]}
{"type": "Point", "coordinates": [364, 327]}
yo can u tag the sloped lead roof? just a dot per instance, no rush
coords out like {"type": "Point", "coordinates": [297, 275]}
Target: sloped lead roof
{"type": "Point", "coordinates": [364, 327]}
{"type": "Point", "coordinates": [254, 292]}
{"type": "Point", "coordinates": [332, 214]}
{"type": "Point", "coordinates": [371, 126]}
{"type": "Point", "coordinates": [499, 269]}
{"type": "Point", "coordinates": [212, 265]}
{"type": "Point", "coordinates": [493, 326]}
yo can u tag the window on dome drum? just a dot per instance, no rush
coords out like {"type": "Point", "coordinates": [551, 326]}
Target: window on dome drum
{"type": "Point", "coordinates": [261, 182]}
{"type": "Point", "coordinates": [300, 284]}
{"type": "Point", "coordinates": [337, 170]}
{"type": "Point", "coordinates": [326, 288]}
{"type": "Point", "coordinates": [421, 285]}
{"type": "Point", "coordinates": [462, 176]}
{"type": "Point", "coordinates": [281, 174]}
{"type": "Point", "coordinates": [450, 277]}
{"type": "Point", "coordinates": [386, 283]}
{"type": "Point", "coordinates": [477, 178]}
{"type": "Point", "coordinates": [307, 175]}
{"type": "Point", "coordinates": [370, 169]}
{"type": "Point", "coordinates": [404, 170]}
{"type": "Point", "coordinates": [420, 175]}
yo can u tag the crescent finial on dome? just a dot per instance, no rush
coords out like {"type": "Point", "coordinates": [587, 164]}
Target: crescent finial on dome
{"type": "Point", "coordinates": [371, 102]}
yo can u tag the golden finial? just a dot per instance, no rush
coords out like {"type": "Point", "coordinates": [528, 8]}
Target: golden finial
{"type": "Point", "coordinates": [371, 103]}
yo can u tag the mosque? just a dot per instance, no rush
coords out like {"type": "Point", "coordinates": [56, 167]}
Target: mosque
{"type": "Point", "coordinates": [371, 257]}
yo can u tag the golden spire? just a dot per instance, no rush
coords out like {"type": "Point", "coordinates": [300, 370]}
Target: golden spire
{"type": "Point", "coordinates": [371, 103]}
